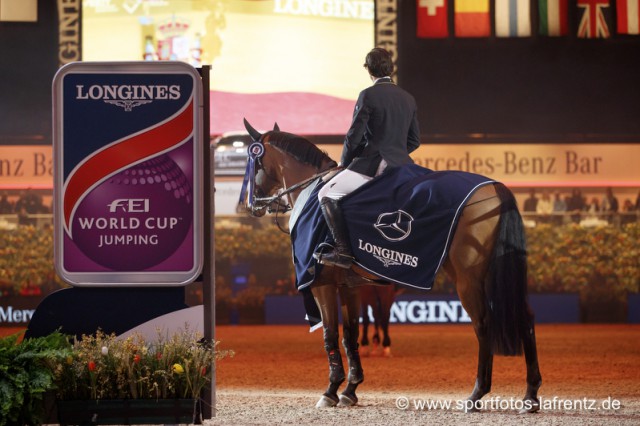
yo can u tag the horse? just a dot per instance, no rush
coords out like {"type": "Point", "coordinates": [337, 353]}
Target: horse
{"type": "Point", "coordinates": [379, 298]}
{"type": "Point", "coordinates": [486, 260]}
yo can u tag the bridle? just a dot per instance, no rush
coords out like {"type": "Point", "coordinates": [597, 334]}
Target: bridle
{"type": "Point", "coordinates": [275, 203]}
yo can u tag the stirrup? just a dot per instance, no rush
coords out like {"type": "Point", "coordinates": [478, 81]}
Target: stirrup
{"type": "Point", "coordinates": [334, 259]}
{"type": "Point", "coordinates": [326, 254]}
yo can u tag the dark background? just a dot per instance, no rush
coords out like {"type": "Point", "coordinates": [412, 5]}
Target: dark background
{"type": "Point", "coordinates": [535, 88]}
{"type": "Point", "coordinates": [28, 63]}
{"type": "Point", "coordinates": [516, 89]}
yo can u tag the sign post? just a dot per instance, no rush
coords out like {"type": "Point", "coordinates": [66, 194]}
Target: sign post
{"type": "Point", "coordinates": [131, 155]}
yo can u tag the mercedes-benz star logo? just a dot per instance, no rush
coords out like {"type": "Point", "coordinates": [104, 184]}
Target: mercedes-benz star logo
{"type": "Point", "coordinates": [394, 226]}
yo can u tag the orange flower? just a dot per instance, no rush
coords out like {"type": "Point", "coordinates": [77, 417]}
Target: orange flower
{"type": "Point", "coordinates": [92, 366]}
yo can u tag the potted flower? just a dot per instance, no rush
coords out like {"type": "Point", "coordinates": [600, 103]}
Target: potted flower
{"type": "Point", "coordinates": [27, 374]}
{"type": "Point", "coordinates": [108, 380]}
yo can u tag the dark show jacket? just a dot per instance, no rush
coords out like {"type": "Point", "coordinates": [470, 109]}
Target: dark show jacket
{"type": "Point", "coordinates": [384, 125]}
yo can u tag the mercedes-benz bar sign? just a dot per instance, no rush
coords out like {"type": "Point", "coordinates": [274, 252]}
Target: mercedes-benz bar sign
{"type": "Point", "coordinates": [128, 173]}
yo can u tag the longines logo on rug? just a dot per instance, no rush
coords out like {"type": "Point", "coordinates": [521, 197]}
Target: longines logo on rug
{"type": "Point", "coordinates": [388, 257]}
{"type": "Point", "coordinates": [394, 226]}
{"type": "Point", "coordinates": [128, 96]}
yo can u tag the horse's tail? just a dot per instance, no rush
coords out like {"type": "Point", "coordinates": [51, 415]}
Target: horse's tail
{"type": "Point", "coordinates": [507, 290]}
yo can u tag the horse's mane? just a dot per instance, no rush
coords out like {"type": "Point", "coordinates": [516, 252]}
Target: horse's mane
{"type": "Point", "coordinates": [299, 148]}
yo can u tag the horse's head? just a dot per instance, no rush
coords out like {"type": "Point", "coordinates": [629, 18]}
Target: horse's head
{"type": "Point", "coordinates": [280, 164]}
{"type": "Point", "coordinates": [264, 178]}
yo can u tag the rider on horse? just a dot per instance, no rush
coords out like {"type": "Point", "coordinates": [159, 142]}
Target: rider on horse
{"type": "Point", "coordinates": [383, 132]}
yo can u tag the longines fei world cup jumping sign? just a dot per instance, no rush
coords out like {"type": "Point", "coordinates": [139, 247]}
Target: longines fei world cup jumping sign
{"type": "Point", "coordinates": [128, 173]}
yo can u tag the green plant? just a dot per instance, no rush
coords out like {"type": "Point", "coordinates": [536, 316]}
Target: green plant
{"type": "Point", "coordinates": [103, 366]}
{"type": "Point", "coordinates": [26, 374]}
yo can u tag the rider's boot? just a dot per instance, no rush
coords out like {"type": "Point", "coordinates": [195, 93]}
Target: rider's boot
{"type": "Point", "coordinates": [341, 255]}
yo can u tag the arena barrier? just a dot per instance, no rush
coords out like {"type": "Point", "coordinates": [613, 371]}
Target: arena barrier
{"type": "Point", "coordinates": [432, 309]}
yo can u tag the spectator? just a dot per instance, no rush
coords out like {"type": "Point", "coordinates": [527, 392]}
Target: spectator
{"type": "Point", "coordinates": [559, 208]}
{"type": "Point", "coordinates": [6, 206]}
{"type": "Point", "coordinates": [638, 202]}
{"type": "Point", "coordinates": [576, 204]}
{"type": "Point", "coordinates": [593, 208]}
{"type": "Point", "coordinates": [610, 202]}
{"type": "Point", "coordinates": [628, 212]}
{"type": "Point", "coordinates": [544, 207]}
{"type": "Point", "coordinates": [30, 202]}
{"type": "Point", "coordinates": [531, 203]}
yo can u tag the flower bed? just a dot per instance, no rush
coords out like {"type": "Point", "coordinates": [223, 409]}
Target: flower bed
{"type": "Point", "coordinates": [593, 262]}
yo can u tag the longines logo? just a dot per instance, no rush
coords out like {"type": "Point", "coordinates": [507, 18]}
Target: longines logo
{"type": "Point", "coordinates": [388, 257]}
{"type": "Point", "coordinates": [394, 226]}
{"type": "Point", "coordinates": [127, 96]}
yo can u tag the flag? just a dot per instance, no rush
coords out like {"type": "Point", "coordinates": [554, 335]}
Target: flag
{"type": "Point", "coordinates": [472, 18]}
{"type": "Point", "coordinates": [513, 18]}
{"type": "Point", "coordinates": [628, 16]}
{"type": "Point", "coordinates": [594, 17]}
{"type": "Point", "coordinates": [554, 17]}
{"type": "Point", "coordinates": [432, 19]}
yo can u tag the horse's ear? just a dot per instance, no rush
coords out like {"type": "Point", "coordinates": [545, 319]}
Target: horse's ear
{"type": "Point", "coordinates": [276, 128]}
{"type": "Point", "coordinates": [255, 135]}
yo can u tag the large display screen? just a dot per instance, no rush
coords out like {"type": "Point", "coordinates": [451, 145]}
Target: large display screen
{"type": "Point", "coordinates": [295, 62]}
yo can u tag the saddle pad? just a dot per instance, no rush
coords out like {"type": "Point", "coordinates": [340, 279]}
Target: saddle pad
{"type": "Point", "coordinates": [400, 224]}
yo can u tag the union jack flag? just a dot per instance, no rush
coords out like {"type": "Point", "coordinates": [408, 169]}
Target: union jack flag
{"type": "Point", "coordinates": [595, 17]}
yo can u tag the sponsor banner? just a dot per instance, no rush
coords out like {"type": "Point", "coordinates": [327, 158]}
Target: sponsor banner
{"type": "Point", "coordinates": [432, 309]}
{"type": "Point", "coordinates": [127, 175]}
{"type": "Point", "coordinates": [519, 164]}
{"type": "Point", "coordinates": [26, 166]}
{"type": "Point", "coordinates": [17, 311]}
{"type": "Point", "coordinates": [533, 164]}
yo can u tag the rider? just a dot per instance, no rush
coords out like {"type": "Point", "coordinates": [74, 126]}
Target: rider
{"type": "Point", "coordinates": [383, 132]}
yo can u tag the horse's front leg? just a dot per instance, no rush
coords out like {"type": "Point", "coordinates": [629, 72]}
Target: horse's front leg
{"type": "Point", "coordinates": [326, 298]}
{"type": "Point", "coordinates": [534, 379]}
{"type": "Point", "coordinates": [350, 301]}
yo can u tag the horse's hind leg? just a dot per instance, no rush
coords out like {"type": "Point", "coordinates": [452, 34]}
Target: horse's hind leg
{"type": "Point", "coordinates": [386, 300]}
{"type": "Point", "coordinates": [364, 342]}
{"type": "Point", "coordinates": [534, 379]}
{"type": "Point", "coordinates": [326, 298]}
{"type": "Point", "coordinates": [350, 300]}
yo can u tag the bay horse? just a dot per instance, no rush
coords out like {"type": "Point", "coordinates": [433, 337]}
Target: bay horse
{"type": "Point", "coordinates": [380, 298]}
{"type": "Point", "coordinates": [486, 260]}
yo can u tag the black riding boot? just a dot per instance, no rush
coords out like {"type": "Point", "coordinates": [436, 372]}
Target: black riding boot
{"type": "Point", "coordinates": [341, 255]}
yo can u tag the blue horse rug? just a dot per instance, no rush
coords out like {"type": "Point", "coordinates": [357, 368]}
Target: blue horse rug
{"type": "Point", "coordinates": [400, 225]}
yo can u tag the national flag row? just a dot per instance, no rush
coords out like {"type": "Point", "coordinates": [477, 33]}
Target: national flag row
{"type": "Point", "coordinates": [512, 18]}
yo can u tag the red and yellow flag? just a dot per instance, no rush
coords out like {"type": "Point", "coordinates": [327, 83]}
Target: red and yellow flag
{"type": "Point", "coordinates": [472, 18]}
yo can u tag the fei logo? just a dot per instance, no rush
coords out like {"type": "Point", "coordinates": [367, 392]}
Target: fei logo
{"type": "Point", "coordinates": [129, 205]}
{"type": "Point", "coordinates": [394, 226]}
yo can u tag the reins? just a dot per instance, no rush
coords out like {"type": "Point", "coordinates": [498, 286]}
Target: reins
{"type": "Point", "coordinates": [284, 207]}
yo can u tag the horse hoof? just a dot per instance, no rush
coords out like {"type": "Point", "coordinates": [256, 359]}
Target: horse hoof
{"type": "Point", "coordinates": [386, 352]}
{"type": "Point", "coordinates": [347, 400]}
{"type": "Point", "coordinates": [326, 402]}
